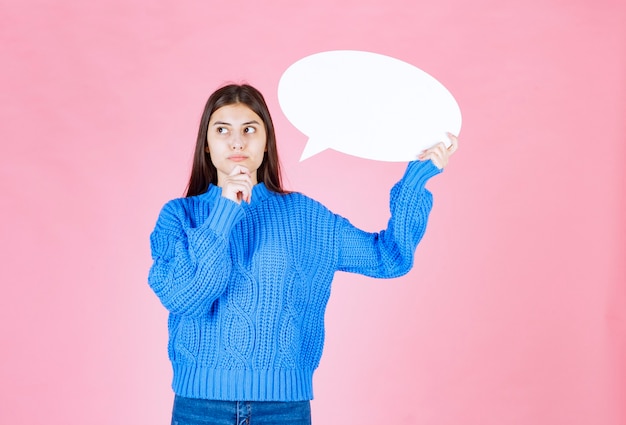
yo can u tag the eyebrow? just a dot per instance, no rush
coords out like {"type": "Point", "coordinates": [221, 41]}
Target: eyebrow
{"type": "Point", "coordinates": [227, 123]}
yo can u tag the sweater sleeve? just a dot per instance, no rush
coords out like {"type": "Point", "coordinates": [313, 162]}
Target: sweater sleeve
{"type": "Point", "coordinates": [191, 265]}
{"type": "Point", "coordinates": [389, 253]}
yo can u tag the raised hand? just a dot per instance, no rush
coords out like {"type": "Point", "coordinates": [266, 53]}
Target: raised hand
{"type": "Point", "coordinates": [440, 154]}
{"type": "Point", "coordinates": [237, 186]}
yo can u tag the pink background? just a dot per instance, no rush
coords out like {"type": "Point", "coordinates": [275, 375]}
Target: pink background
{"type": "Point", "coordinates": [515, 312]}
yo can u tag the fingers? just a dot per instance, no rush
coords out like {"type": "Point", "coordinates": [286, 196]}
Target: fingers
{"type": "Point", "coordinates": [437, 154]}
{"type": "Point", "coordinates": [440, 154]}
{"type": "Point", "coordinates": [237, 186]}
{"type": "Point", "coordinates": [454, 143]}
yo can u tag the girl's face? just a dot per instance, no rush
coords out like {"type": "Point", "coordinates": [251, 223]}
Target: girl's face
{"type": "Point", "coordinates": [236, 136]}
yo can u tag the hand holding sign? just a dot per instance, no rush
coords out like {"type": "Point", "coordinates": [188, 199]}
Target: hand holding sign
{"type": "Point", "coordinates": [367, 105]}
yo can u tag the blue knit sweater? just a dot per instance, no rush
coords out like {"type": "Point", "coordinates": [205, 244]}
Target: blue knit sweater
{"type": "Point", "coordinates": [246, 285]}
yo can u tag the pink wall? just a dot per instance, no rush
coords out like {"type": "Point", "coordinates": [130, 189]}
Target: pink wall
{"type": "Point", "coordinates": [516, 310]}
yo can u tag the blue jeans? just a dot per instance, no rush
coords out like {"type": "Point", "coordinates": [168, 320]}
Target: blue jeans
{"type": "Point", "coordinates": [192, 411]}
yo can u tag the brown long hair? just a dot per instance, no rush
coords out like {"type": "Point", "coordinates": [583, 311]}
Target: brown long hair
{"type": "Point", "coordinates": [203, 171]}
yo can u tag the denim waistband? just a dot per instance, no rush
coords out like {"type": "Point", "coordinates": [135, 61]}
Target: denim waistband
{"type": "Point", "coordinates": [191, 411]}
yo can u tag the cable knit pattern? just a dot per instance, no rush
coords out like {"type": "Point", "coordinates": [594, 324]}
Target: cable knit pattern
{"type": "Point", "coordinates": [247, 285]}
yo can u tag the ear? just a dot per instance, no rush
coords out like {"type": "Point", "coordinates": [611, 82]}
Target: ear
{"type": "Point", "coordinates": [206, 149]}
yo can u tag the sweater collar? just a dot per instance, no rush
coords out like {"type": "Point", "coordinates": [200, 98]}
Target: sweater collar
{"type": "Point", "coordinates": [259, 193]}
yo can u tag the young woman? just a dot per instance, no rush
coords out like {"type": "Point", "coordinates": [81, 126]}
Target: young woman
{"type": "Point", "coordinates": [244, 268]}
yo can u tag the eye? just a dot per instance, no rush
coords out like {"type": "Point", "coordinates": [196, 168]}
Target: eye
{"type": "Point", "coordinates": [222, 130]}
{"type": "Point", "coordinates": [249, 130]}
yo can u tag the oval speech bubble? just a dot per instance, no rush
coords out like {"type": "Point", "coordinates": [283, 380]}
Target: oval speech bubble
{"type": "Point", "coordinates": [367, 105]}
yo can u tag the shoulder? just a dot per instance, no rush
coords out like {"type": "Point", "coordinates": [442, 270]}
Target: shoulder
{"type": "Point", "coordinates": [302, 208]}
{"type": "Point", "coordinates": [185, 208]}
{"type": "Point", "coordinates": [298, 199]}
{"type": "Point", "coordinates": [172, 214]}
{"type": "Point", "coordinates": [176, 205]}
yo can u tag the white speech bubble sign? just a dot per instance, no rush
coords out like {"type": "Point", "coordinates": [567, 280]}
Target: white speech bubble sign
{"type": "Point", "coordinates": [366, 104]}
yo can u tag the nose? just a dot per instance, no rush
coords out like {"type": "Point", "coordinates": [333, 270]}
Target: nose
{"type": "Point", "coordinates": [237, 143]}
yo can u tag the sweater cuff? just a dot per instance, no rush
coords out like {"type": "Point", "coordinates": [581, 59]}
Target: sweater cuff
{"type": "Point", "coordinates": [419, 172]}
{"type": "Point", "coordinates": [223, 216]}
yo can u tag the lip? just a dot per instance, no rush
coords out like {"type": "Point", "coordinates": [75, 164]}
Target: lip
{"type": "Point", "coordinates": [237, 158]}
